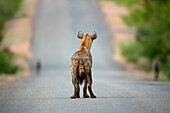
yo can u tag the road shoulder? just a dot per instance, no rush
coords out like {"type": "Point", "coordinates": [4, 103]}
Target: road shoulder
{"type": "Point", "coordinates": [17, 36]}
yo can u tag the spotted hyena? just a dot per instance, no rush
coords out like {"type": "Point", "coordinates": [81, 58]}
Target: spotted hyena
{"type": "Point", "coordinates": [81, 64]}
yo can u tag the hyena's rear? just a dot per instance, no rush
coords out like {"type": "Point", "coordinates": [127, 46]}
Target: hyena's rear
{"type": "Point", "coordinates": [81, 64]}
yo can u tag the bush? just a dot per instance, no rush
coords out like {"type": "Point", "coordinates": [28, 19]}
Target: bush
{"type": "Point", "coordinates": [131, 51]}
{"type": "Point", "coordinates": [7, 10]}
{"type": "Point", "coordinates": [166, 68]}
{"type": "Point", "coordinates": [152, 21]}
{"type": "Point", "coordinates": [5, 63]}
{"type": "Point", "coordinates": [126, 2]}
{"type": "Point", "coordinates": [142, 31]}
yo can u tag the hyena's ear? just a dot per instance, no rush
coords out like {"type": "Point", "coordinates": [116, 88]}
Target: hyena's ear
{"type": "Point", "coordinates": [80, 34]}
{"type": "Point", "coordinates": [93, 35]}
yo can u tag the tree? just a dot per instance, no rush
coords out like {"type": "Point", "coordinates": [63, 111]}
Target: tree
{"type": "Point", "coordinates": [152, 21]}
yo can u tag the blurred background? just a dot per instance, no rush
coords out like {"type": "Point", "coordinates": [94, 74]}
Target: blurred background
{"type": "Point", "coordinates": [148, 38]}
{"type": "Point", "coordinates": [140, 31]}
{"type": "Point", "coordinates": [132, 50]}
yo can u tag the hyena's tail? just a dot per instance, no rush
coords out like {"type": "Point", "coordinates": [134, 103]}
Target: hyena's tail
{"type": "Point", "coordinates": [81, 71]}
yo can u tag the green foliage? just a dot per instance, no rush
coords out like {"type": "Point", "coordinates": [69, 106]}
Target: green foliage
{"type": "Point", "coordinates": [166, 68]}
{"type": "Point", "coordinates": [5, 63]}
{"type": "Point", "coordinates": [7, 10]}
{"type": "Point", "coordinates": [142, 31]}
{"type": "Point", "coordinates": [131, 51]}
{"type": "Point", "coordinates": [152, 20]}
{"type": "Point", "coordinates": [126, 2]}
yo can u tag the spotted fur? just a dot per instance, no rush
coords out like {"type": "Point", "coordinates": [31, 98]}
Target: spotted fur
{"type": "Point", "coordinates": [81, 64]}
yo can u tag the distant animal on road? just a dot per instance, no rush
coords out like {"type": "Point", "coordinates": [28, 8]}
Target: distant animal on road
{"type": "Point", "coordinates": [156, 69]}
{"type": "Point", "coordinates": [81, 64]}
{"type": "Point", "coordinates": [38, 66]}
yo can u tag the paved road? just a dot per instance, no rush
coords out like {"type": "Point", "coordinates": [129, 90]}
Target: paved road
{"type": "Point", "coordinates": [54, 40]}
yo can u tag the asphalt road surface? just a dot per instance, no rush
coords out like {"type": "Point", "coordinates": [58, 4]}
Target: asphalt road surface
{"type": "Point", "coordinates": [54, 41]}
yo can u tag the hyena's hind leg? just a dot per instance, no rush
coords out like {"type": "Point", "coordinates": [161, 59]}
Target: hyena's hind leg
{"type": "Point", "coordinates": [75, 83]}
{"type": "Point", "coordinates": [85, 95]}
{"type": "Point", "coordinates": [89, 79]}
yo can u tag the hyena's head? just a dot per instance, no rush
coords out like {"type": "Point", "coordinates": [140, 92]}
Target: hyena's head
{"type": "Point", "coordinates": [86, 39]}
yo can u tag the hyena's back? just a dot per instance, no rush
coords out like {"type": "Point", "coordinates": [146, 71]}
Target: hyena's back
{"type": "Point", "coordinates": [80, 66]}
